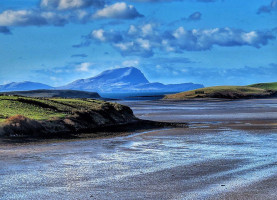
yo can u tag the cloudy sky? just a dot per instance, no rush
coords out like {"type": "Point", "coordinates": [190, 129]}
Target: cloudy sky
{"type": "Point", "coordinates": [214, 42]}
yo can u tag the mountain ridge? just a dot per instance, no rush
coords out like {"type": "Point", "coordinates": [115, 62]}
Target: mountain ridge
{"type": "Point", "coordinates": [128, 79]}
{"type": "Point", "coordinates": [119, 80]}
{"type": "Point", "coordinates": [23, 86]}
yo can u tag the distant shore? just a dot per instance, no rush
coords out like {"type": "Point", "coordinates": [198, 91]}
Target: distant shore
{"type": "Point", "coordinates": [224, 92]}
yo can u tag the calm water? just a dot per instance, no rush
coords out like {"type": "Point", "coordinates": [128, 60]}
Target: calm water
{"type": "Point", "coordinates": [228, 145]}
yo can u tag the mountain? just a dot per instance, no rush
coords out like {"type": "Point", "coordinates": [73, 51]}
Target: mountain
{"type": "Point", "coordinates": [23, 86]}
{"type": "Point", "coordinates": [128, 79]}
{"type": "Point", "coordinates": [110, 80]}
{"type": "Point", "coordinates": [120, 80]}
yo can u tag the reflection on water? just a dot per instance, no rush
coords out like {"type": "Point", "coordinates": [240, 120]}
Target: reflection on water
{"type": "Point", "coordinates": [186, 163]}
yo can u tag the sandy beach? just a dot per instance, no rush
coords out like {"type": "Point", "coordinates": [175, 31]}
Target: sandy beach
{"type": "Point", "coordinates": [228, 152]}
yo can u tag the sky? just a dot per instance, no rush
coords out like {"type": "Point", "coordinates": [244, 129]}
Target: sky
{"type": "Point", "coordinates": [212, 42]}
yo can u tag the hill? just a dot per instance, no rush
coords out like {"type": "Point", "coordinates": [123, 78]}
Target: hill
{"type": "Point", "coordinates": [23, 86]}
{"type": "Point", "coordinates": [266, 86]}
{"type": "Point", "coordinates": [55, 93]}
{"type": "Point", "coordinates": [228, 92]}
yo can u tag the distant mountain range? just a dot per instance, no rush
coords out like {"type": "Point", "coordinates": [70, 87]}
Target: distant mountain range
{"type": "Point", "coordinates": [23, 86]}
{"type": "Point", "coordinates": [118, 80]}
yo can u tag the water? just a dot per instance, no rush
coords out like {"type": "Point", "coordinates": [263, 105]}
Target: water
{"type": "Point", "coordinates": [134, 96]}
{"type": "Point", "coordinates": [215, 155]}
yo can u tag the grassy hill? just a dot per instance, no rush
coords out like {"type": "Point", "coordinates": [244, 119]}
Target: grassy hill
{"type": "Point", "coordinates": [29, 116]}
{"type": "Point", "coordinates": [228, 92]}
{"type": "Point", "coordinates": [55, 93]}
{"type": "Point", "coordinates": [44, 108]}
{"type": "Point", "coordinates": [266, 86]}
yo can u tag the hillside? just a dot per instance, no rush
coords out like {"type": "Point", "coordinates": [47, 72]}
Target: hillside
{"type": "Point", "coordinates": [228, 92]}
{"type": "Point", "coordinates": [266, 86]}
{"type": "Point", "coordinates": [55, 93]}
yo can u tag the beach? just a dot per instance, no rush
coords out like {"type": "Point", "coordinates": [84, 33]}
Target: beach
{"type": "Point", "coordinates": [227, 152]}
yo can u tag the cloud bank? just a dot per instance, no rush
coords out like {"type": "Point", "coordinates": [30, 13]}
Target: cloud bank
{"type": "Point", "coordinates": [61, 12]}
{"type": "Point", "coordinates": [70, 4]}
{"type": "Point", "coordinates": [31, 17]}
{"type": "Point", "coordinates": [144, 40]}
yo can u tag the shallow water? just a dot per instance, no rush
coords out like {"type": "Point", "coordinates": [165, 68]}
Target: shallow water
{"type": "Point", "coordinates": [217, 154]}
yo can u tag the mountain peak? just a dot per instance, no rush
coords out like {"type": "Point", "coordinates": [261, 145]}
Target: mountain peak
{"type": "Point", "coordinates": [113, 78]}
{"type": "Point", "coordinates": [128, 75]}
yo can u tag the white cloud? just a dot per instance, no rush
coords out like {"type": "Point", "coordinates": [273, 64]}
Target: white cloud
{"type": "Point", "coordinates": [145, 44]}
{"type": "Point", "coordinates": [118, 10]}
{"type": "Point", "coordinates": [144, 40]}
{"type": "Point", "coordinates": [69, 4]}
{"type": "Point", "coordinates": [30, 17]}
{"type": "Point", "coordinates": [84, 67]}
{"type": "Point", "coordinates": [132, 30]}
{"type": "Point", "coordinates": [147, 30]}
{"type": "Point", "coordinates": [99, 35]}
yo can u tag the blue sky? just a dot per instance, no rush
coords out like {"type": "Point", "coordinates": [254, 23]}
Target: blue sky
{"type": "Point", "coordinates": [213, 42]}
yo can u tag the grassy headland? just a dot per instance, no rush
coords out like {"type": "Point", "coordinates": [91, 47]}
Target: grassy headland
{"type": "Point", "coordinates": [266, 86]}
{"type": "Point", "coordinates": [227, 92]}
{"type": "Point", "coordinates": [55, 117]}
{"type": "Point", "coordinates": [46, 116]}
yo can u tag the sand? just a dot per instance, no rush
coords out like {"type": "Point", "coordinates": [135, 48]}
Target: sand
{"type": "Point", "coordinates": [228, 152]}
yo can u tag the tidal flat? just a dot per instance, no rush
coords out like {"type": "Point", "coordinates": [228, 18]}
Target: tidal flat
{"type": "Point", "coordinates": [229, 151]}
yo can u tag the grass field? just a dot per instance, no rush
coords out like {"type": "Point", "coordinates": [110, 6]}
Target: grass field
{"type": "Point", "coordinates": [220, 92]}
{"type": "Point", "coordinates": [266, 86]}
{"type": "Point", "coordinates": [44, 109]}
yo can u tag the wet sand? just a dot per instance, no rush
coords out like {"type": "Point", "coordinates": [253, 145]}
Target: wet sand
{"type": "Point", "coordinates": [228, 152]}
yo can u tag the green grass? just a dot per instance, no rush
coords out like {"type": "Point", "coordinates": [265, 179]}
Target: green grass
{"type": "Point", "coordinates": [218, 90]}
{"type": "Point", "coordinates": [266, 86]}
{"type": "Point", "coordinates": [45, 108]}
